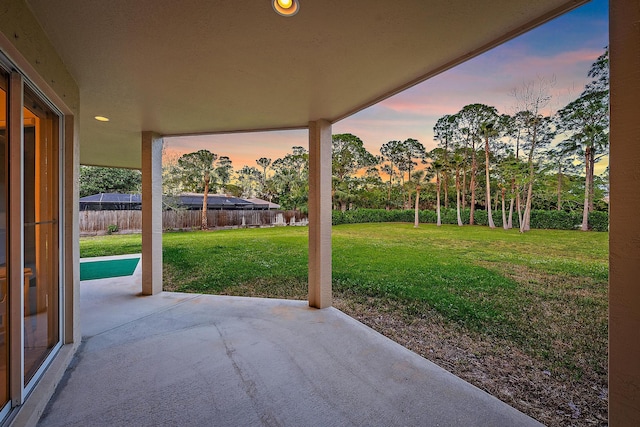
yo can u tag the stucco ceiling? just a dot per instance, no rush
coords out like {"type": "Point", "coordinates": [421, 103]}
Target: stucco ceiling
{"type": "Point", "coordinates": [204, 66]}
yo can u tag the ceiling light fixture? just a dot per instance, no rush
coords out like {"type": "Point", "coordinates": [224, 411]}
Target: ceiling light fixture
{"type": "Point", "coordinates": [101, 118]}
{"type": "Point", "coordinates": [286, 7]}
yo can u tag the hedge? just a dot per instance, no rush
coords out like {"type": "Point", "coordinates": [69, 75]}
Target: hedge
{"type": "Point", "coordinates": [559, 220]}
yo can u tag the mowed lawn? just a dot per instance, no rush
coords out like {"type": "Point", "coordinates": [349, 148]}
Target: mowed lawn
{"type": "Point", "coordinates": [523, 316]}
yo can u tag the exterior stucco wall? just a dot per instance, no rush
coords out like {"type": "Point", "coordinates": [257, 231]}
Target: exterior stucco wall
{"type": "Point", "coordinates": [624, 236]}
{"type": "Point", "coordinates": [25, 44]}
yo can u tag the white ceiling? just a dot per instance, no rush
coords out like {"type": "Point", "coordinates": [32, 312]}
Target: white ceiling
{"type": "Point", "coordinates": [206, 66]}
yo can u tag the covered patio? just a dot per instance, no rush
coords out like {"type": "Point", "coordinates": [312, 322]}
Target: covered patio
{"type": "Point", "coordinates": [160, 68]}
{"type": "Point", "coordinates": [189, 359]}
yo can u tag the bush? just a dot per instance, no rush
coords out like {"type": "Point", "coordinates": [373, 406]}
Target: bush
{"type": "Point", "coordinates": [371, 215]}
{"type": "Point", "coordinates": [599, 221]}
{"type": "Point", "coordinates": [112, 228]}
{"type": "Point", "coordinates": [541, 219]}
{"type": "Point", "coordinates": [559, 220]}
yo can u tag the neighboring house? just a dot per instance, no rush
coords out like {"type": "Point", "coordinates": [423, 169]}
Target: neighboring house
{"type": "Point", "coordinates": [189, 201]}
{"type": "Point", "coordinates": [193, 201]}
{"type": "Point", "coordinates": [111, 202]}
{"type": "Point", "coordinates": [161, 68]}
{"type": "Point", "coordinates": [260, 202]}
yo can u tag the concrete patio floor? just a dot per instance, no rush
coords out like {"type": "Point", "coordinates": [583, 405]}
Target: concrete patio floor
{"type": "Point", "coordinates": [179, 359]}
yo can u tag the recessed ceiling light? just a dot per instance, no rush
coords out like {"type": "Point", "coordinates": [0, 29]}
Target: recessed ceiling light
{"type": "Point", "coordinates": [286, 7]}
{"type": "Point", "coordinates": [101, 118]}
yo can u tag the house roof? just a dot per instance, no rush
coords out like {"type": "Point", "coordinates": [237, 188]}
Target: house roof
{"type": "Point", "coordinates": [261, 202]}
{"type": "Point", "coordinates": [214, 201]}
{"type": "Point", "coordinates": [201, 66]}
{"type": "Point", "coordinates": [187, 200]}
{"type": "Point", "coordinates": [112, 198]}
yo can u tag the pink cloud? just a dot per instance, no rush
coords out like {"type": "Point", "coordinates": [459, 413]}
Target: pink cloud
{"type": "Point", "coordinates": [491, 78]}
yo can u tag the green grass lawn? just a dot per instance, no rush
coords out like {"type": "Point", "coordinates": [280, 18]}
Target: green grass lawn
{"type": "Point", "coordinates": [543, 292]}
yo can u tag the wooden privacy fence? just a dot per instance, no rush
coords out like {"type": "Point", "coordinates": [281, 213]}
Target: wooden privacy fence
{"type": "Point", "coordinates": [98, 222]}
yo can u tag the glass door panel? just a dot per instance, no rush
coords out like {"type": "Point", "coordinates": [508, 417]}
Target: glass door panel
{"type": "Point", "coordinates": [41, 236]}
{"type": "Point", "coordinates": [4, 287]}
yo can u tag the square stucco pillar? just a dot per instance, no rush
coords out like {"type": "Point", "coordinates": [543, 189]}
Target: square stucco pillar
{"type": "Point", "coordinates": [71, 261]}
{"type": "Point", "coordinates": [320, 214]}
{"type": "Point", "coordinates": [624, 232]}
{"type": "Point", "coordinates": [151, 213]}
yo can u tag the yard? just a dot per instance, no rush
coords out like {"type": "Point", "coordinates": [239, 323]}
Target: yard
{"type": "Point", "coordinates": [523, 316]}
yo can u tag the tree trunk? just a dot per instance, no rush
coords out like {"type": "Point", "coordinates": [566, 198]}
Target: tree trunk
{"type": "Point", "coordinates": [526, 220]}
{"type": "Point", "coordinates": [526, 216]}
{"type": "Point", "coordinates": [204, 224]}
{"type": "Point", "coordinates": [488, 179]}
{"type": "Point", "coordinates": [404, 196]}
{"type": "Point", "coordinates": [519, 206]}
{"type": "Point", "coordinates": [592, 164]}
{"type": "Point", "coordinates": [585, 209]}
{"type": "Point", "coordinates": [559, 206]}
{"type": "Point", "coordinates": [445, 175]}
{"type": "Point", "coordinates": [416, 217]}
{"type": "Point", "coordinates": [389, 194]}
{"type": "Point", "coordinates": [525, 225]}
{"type": "Point", "coordinates": [513, 192]}
{"type": "Point", "coordinates": [464, 188]}
{"type": "Point", "coordinates": [510, 220]}
{"type": "Point", "coordinates": [504, 213]}
{"type": "Point", "coordinates": [474, 169]}
{"type": "Point", "coordinates": [458, 197]}
{"type": "Point", "coordinates": [438, 221]}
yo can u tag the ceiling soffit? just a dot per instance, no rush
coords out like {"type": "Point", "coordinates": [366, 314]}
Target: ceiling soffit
{"type": "Point", "coordinates": [198, 66]}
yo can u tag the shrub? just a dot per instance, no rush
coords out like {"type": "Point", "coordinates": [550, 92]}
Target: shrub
{"type": "Point", "coordinates": [541, 219]}
{"type": "Point", "coordinates": [559, 220]}
{"type": "Point", "coordinates": [599, 221]}
{"type": "Point", "coordinates": [112, 228]}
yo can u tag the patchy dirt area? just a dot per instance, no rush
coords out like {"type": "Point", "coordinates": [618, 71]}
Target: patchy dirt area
{"type": "Point", "coordinates": [552, 397]}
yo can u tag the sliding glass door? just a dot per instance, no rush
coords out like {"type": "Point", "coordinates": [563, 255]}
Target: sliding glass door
{"type": "Point", "coordinates": [41, 232]}
{"type": "Point", "coordinates": [4, 288]}
{"type": "Point", "coordinates": [30, 276]}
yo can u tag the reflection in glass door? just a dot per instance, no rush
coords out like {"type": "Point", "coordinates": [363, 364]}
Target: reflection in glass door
{"type": "Point", "coordinates": [4, 286]}
{"type": "Point", "coordinates": [41, 233]}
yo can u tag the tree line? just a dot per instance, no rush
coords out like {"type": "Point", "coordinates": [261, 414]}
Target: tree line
{"type": "Point", "coordinates": [483, 159]}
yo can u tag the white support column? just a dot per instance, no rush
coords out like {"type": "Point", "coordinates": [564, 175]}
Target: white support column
{"type": "Point", "coordinates": [151, 213]}
{"type": "Point", "coordinates": [320, 214]}
{"type": "Point", "coordinates": [71, 170]}
{"type": "Point", "coordinates": [624, 236]}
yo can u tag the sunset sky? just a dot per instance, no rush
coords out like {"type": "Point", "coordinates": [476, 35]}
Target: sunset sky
{"type": "Point", "coordinates": [563, 49]}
